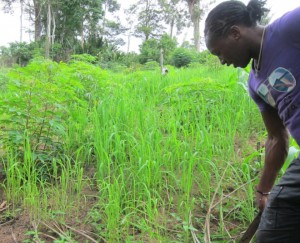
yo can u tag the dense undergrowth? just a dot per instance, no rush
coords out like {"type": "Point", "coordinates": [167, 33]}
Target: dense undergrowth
{"type": "Point", "coordinates": [149, 158]}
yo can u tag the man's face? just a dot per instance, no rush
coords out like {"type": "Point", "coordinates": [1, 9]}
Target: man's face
{"type": "Point", "coordinates": [230, 49]}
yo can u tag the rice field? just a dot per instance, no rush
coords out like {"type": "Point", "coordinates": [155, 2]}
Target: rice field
{"type": "Point", "coordinates": [90, 155]}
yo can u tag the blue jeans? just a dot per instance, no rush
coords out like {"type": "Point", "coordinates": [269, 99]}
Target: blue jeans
{"type": "Point", "coordinates": [280, 221]}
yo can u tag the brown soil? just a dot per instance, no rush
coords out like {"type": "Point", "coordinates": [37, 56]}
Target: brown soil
{"type": "Point", "coordinates": [13, 229]}
{"type": "Point", "coordinates": [15, 224]}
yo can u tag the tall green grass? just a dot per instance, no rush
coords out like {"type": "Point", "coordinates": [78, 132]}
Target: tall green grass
{"type": "Point", "coordinates": [164, 151]}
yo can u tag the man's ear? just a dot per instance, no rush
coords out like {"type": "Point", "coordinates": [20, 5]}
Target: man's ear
{"type": "Point", "coordinates": [235, 32]}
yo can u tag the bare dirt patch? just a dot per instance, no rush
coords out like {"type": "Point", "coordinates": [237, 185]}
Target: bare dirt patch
{"type": "Point", "coordinates": [16, 224]}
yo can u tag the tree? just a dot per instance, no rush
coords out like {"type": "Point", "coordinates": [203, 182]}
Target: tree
{"type": "Point", "coordinates": [149, 51]}
{"type": "Point", "coordinates": [196, 10]}
{"type": "Point", "coordinates": [195, 13]}
{"type": "Point", "coordinates": [151, 48]}
{"type": "Point", "coordinates": [149, 19]}
{"type": "Point", "coordinates": [174, 15]}
{"type": "Point", "coordinates": [182, 57]}
{"type": "Point", "coordinates": [167, 45]}
{"type": "Point", "coordinates": [17, 52]}
{"type": "Point", "coordinates": [109, 6]}
{"type": "Point", "coordinates": [112, 28]}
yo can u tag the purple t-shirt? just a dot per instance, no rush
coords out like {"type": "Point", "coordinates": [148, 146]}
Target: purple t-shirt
{"type": "Point", "coordinates": [277, 84]}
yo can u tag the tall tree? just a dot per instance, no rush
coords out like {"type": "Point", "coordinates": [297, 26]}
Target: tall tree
{"type": "Point", "coordinates": [37, 18]}
{"type": "Point", "coordinates": [48, 33]}
{"type": "Point", "coordinates": [149, 17]}
{"type": "Point", "coordinates": [174, 15]}
{"type": "Point", "coordinates": [109, 6]}
{"type": "Point", "coordinates": [21, 19]}
{"type": "Point", "coordinates": [129, 28]}
{"type": "Point", "coordinates": [196, 10]}
{"type": "Point", "coordinates": [196, 14]}
{"type": "Point", "coordinates": [112, 27]}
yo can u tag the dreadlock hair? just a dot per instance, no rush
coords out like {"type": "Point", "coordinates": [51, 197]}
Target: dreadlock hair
{"type": "Point", "coordinates": [229, 13]}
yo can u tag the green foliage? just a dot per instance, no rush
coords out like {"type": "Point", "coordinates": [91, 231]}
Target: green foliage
{"type": "Point", "coordinates": [140, 150]}
{"type": "Point", "coordinates": [168, 45]}
{"type": "Point", "coordinates": [83, 58]}
{"type": "Point", "coordinates": [175, 15]}
{"type": "Point", "coordinates": [205, 57]}
{"type": "Point", "coordinates": [149, 51]}
{"type": "Point", "coordinates": [68, 24]}
{"type": "Point", "coordinates": [57, 52]}
{"type": "Point", "coordinates": [182, 57]}
{"type": "Point", "coordinates": [130, 59]}
{"type": "Point", "coordinates": [149, 16]}
{"type": "Point", "coordinates": [187, 45]}
{"type": "Point", "coordinates": [17, 52]}
{"type": "Point", "coordinates": [92, 78]}
{"type": "Point", "coordinates": [38, 100]}
{"type": "Point", "coordinates": [36, 106]}
{"type": "Point", "coordinates": [113, 66]}
{"type": "Point", "coordinates": [109, 53]}
{"type": "Point", "coordinates": [152, 65]}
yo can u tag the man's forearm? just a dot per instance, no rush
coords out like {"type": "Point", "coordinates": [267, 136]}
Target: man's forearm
{"type": "Point", "coordinates": [276, 153]}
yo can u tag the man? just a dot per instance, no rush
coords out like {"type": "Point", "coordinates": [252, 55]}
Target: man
{"type": "Point", "coordinates": [232, 34]}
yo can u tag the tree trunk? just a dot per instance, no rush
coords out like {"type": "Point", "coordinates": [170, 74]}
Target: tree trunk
{"type": "Point", "coordinates": [161, 60]}
{"type": "Point", "coordinates": [147, 34]}
{"type": "Point", "coordinates": [82, 35]}
{"type": "Point", "coordinates": [53, 29]}
{"type": "Point", "coordinates": [197, 42]}
{"type": "Point", "coordinates": [172, 27]}
{"type": "Point", "coordinates": [195, 12]}
{"type": "Point", "coordinates": [48, 36]}
{"type": "Point", "coordinates": [37, 20]}
{"type": "Point", "coordinates": [104, 18]}
{"type": "Point", "coordinates": [128, 42]}
{"type": "Point", "coordinates": [21, 21]}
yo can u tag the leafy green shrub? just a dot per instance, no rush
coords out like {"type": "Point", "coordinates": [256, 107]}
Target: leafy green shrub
{"type": "Point", "coordinates": [113, 66]}
{"type": "Point", "coordinates": [17, 52]}
{"type": "Point", "coordinates": [182, 57]}
{"type": "Point", "coordinates": [149, 51]}
{"type": "Point", "coordinates": [195, 65]}
{"type": "Point", "coordinates": [83, 58]}
{"type": "Point", "coordinates": [37, 106]}
{"type": "Point", "coordinates": [205, 57]}
{"type": "Point", "coordinates": [3, 80]}
{"type": "Point", "coordinates": [92, 77]}
{"type": "Point", "coordinates": [129, 59]}
{"type": "Point", "coordinates": [134, 67]}
{"type": "Point", "coordinates": [151, 48]}
{"type": "Point", "coordinates": [168, 45]}
{"type": "Point", "coordinates": [152, 65]}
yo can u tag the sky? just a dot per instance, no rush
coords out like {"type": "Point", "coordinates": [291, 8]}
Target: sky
{"type": "Point", "coordinates": [10, 23]}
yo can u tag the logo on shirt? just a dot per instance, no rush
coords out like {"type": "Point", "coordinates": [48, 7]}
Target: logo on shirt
{"type": "Point", "coordinates": [280, 80]}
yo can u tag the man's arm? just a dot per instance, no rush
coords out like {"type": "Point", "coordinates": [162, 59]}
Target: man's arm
{"type": "Point", "coordinates": [276, 150]}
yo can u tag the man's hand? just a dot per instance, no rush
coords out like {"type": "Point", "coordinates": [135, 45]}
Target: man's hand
{"type": "Point", "coordinates": [261, 201]}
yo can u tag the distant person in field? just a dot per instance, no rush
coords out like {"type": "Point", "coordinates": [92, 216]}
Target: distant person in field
{"type": "Point", "coordinates": [164, 71]}
{"type": "Point", "coordinates": [233, 34]}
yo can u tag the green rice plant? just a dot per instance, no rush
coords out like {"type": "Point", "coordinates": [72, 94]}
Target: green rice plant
{"type": "Point", "coordinates": [13, 181]}
{"type": "Point", "coordinates": [30, 179]}
{"type": "Point", "coordinates": [169, 125]}
{"type": "Point", "coordinates": [78, 132]}
{"type": "Point", "coordinates": [155, 149]}
{"type": "Point", "coordinates": [113, 211]}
